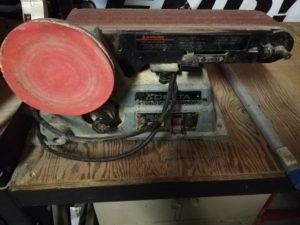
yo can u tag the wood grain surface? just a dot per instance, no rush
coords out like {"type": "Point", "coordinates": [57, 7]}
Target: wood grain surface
{"type": "Point", "coordinates": [245, 155]}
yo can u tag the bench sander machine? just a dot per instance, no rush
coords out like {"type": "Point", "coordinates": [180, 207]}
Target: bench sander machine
{"type": "Point", "coordinates": [110, 74]}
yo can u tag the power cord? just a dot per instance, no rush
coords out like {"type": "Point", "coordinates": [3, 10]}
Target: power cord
{"type": "Point", "coordinates": [91, 3]}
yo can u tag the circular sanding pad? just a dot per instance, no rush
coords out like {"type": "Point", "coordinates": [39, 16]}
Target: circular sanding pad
{"type": "Point", "coordinates": [56, 67]}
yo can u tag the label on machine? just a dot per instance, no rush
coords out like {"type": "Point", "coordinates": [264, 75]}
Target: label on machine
{"type": "Point", "coordinates": [158, 97]}
{"type": "Point", "coordinates": [195, 42]}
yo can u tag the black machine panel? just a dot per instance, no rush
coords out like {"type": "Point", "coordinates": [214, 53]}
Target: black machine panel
{"type": "Point", "coordinates": [136, 49]}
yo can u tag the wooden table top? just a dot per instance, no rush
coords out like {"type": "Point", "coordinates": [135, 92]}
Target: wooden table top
{"type": "Point", "coordinates": [245, 155]}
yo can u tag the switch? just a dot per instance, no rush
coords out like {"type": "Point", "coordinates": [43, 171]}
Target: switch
{"type": "Point", "coordinates": [177, 124]}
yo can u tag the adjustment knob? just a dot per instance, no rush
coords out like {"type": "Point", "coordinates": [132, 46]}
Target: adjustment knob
{"type": "Point", "coordinates": [269, 51]}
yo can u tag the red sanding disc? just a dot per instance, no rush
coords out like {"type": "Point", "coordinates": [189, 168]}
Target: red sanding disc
{"type": "Point", "coordinates": [56, 67]}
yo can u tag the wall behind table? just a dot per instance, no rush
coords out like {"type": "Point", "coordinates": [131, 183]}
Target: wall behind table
{"type": "Point", "coordinates": [281, 10]}
{"type": "Point", "coordinates": [9, 103]}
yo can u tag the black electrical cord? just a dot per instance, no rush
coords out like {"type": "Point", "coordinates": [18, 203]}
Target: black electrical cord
{"type": "Point", "coordinates": [168, 106]}
{"type": "Point", "coordinates": [62, 152]}
{"type": "Point", "coordinates": [90, 3]}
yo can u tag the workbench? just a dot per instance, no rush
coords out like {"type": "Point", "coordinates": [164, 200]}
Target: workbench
{"type": "Point", "coordinates": [241, 164]}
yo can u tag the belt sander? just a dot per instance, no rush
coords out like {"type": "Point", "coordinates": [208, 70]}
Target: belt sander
{"type": "Point", "coordinates": [110, 74]}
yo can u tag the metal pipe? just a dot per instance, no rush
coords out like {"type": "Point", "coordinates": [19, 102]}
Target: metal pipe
{"type": "Point", "coordinates": [286, 158]}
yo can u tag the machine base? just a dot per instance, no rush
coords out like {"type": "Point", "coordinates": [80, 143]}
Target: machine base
{"type": "Point", "coordinates": [195, 115]}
